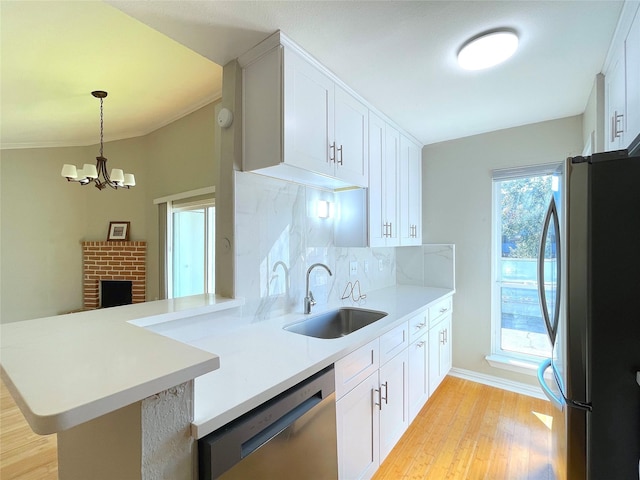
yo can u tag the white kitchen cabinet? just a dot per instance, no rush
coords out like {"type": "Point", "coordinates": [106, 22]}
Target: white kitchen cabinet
{"type": "Point", "coordinates": [308, 114]}
{"type": "Point", "coordinates": [410, 189]}
{"type": "Point", "coordinates": [384, 151]}
{"type": "Point", "coordinates": [358, 430]}
{"type": "Point", "coordinates": [393, 398]}
{"type": "Point", "coordinates": [615, 93]}
{"type": "Point", "coordinates": [622, 82]}
{"type": "Point", "coordinates": [299, 124]}
{"type": "Point", "coordinates": [439, 351]}
{"type": "Point", "coordinates": [351, 127]}
{"type": "Point", "coordinates": [632, 79]}
{"type": "Point", "coordinates": [418, 353]}
{"type": "Point", "coordinates": [372, 416]}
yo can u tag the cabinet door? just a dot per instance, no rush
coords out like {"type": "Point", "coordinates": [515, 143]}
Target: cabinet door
{"type": "Point", "coordinates": [350, 134]}
{"type": "Point", "coordinates": [632, 76]}
{"type": "Point", "coordinates": [358, 431]}
{"type": "Point", "coordinates": [415, 193]}
{"type": "Point", "coordinates": [376, 182]}
{"type": "Point", "coordinates": [308, 115]}
{"type": "Point", "coordinates": [440, 353]}
{"type": "Point", "coordinates": [394, 415]}
{"type": "Point", "coordinates": [615, 94]}
{"type": "Point", "coordinates": [410, 193]}
{"type": "Point", "coordinates": [418, 375]}
{"type": "Point", "coordinates": [436, 338]}
{"type": "Point", "coordinates": [445, 349]}
{"type": "Point", "coordinates": [390, 175]}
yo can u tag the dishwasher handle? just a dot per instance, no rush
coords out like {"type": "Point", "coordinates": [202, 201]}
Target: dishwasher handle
{"type": "Point", "coordinates": [262, 437]}
{"type": "Point", "coordinates": [227, 446]}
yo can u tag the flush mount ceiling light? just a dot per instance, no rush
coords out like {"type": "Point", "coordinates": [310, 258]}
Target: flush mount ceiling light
{"type": "Point", "coordinates": [98, 173]}
{"type": "Point", "coordinates": [488, 49]}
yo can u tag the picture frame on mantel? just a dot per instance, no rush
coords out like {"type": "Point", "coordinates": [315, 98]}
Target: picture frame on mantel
{"type": "Point", "coordinates": [118, 231]}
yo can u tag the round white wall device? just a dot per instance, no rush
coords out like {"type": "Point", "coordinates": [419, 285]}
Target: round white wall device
{"type": "Point", "coordinates": [225, 118]}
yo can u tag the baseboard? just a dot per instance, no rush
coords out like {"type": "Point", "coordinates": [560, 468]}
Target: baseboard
{"type": "Point", "coordinates": [498, 382]}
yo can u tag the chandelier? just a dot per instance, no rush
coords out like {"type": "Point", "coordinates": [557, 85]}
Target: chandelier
{"type": "Point", "coordinates": [98, 173]}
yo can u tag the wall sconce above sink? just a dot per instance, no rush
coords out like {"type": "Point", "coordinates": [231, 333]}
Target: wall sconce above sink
{"type": "Point", "coordinates": [324, 209]}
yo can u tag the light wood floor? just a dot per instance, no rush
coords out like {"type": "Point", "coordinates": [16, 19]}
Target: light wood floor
{"type": "Point", "coordinates": [467, 431]}
{"type": "Point", "coordinates": [23, 454]}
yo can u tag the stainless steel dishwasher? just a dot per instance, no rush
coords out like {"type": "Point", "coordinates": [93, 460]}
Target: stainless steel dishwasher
{"type": "Point", "coordinates": [292, 436]}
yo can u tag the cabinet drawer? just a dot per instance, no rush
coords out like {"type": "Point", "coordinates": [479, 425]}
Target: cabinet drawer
{"type": "Point", "coordinates": [393, 342]}
{"type": "Point", "coordinates": [355, 367]}
{"type": "Point", "coordinates": [418, 325]}
{"type": "Point", "coordinates": [438, 311]}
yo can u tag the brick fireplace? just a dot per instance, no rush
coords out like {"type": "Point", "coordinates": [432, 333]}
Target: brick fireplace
{"type": "Point", "coordinates": [113, 261]}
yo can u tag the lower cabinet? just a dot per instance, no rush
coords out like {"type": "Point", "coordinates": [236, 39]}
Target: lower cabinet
{"type": "Point", "coordinates": [358, 431]}
{"type": "Point", "coordinates": [418, 353]}
{"type": "Point", "coordinates": [439, 352]}
{"type": "Point", "coordinates": [392, 402]}
{"type": "Point", "coordinates": [372, 416]}
{"type": "Point", "coordinates": [381, 387]}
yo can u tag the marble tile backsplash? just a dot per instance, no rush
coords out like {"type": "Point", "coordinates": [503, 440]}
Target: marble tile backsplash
{"type": "Point", "coordinates": [279, 235]}
{"type": "Point", "coordinates": [431, 265]}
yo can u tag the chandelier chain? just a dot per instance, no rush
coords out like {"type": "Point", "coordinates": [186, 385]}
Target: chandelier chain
{"type": "Point", "coordinates": [101, 126]}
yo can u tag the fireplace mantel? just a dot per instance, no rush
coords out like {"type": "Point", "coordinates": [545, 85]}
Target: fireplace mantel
{"type": "Point", "coordinates": [113, 261]}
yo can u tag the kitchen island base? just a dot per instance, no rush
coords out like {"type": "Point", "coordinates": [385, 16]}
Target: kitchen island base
{"type": "Point", "coordinates": [149, 439]}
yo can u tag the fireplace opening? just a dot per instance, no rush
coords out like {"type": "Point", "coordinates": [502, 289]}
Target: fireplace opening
{"type": "Point", "coordinates": [115, 292]}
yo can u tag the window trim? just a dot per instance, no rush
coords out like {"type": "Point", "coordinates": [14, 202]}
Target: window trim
{"type": "Point", "coordinates": [509, 360]}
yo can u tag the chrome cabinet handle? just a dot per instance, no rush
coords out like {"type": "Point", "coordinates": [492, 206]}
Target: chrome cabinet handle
{"type": "Point", "coordinates": [340, 150]}
{"type": "Point", "coordinates": [616, 121]}
{"type": "Point", "coordinates": [421, 344]}
{"type": "Point", "coordinates": [441, 337]}
{"type": "Point", "coordinates": [442, 310]}
{"type": "Point", "coordinates": [332, 156]}
{"type": "Point", "coordinates": [386, 394]}
{"type": "Point", "coordinates": [379, 402]}
{"type": "Point", "coordinates": [421, 325]}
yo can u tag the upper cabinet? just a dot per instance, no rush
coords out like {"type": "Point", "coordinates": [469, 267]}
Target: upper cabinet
{"type": "Point", "coordinates": [395, 187]}
{"type": "Point", "coordinates": [622, 81]}
{"type": "Point", "coordinates": [410, 188]}
{"type": "Point", "coordinates": [384, 160]}
{"type": "Point", "coordinates": [299, 124]}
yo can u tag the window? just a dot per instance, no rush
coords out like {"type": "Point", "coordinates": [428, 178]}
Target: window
{"type": "Point", "coordinates": [520, 201]}
{"type": "Point", "coordinates": [192, 250]}
{"type": "Point", "coordinates": [187, 248]}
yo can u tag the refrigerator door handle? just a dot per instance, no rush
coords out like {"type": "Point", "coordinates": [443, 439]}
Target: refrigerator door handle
{"type": "Point", "coordinates": [550, 321]}
{"type": "Point", "coordinates": [556, 401]}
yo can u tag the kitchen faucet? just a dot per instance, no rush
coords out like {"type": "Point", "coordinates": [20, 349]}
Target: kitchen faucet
{"type": "Point", "coordinates": [309, 301]}
{"type": "Point", "coordinates": [280, 263]}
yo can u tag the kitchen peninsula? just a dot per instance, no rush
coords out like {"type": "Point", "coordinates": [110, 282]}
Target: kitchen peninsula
{"type": "Point", "coordinates": [117, 383]}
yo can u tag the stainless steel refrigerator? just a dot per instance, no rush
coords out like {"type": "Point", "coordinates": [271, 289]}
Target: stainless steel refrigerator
{"type": "Point", "coordinates": [589, 286]}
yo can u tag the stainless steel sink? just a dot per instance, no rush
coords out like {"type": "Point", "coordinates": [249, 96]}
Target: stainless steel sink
{"type": "Point", "coordinates": [336, 323]}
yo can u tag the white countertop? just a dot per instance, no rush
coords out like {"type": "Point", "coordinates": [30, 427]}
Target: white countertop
{"type": "Point", "coordinates": [68, 369]}
{"type": "Point", "coordinates": [258, 359]}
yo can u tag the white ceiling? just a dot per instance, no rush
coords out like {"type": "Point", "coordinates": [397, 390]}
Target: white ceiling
{"type": "Point", "coordinates": [399, 55]}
